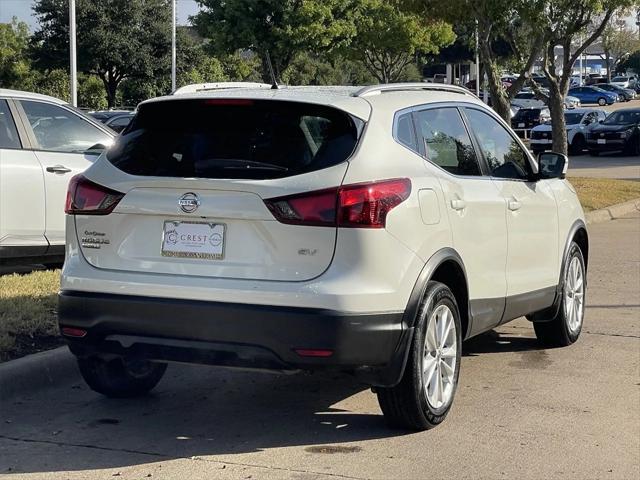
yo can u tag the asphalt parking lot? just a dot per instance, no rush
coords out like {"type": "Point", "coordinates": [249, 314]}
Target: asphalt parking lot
{"type": "Point", "coordinates": [520, 412]}
{"type": "Point", "coordinates": [605, 166]}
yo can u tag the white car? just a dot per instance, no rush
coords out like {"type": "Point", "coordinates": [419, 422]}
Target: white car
{"type": "Point", "coordinates": [527, 99]}
{"type": "Point", "coordinates": [578, 122]}
{"type": "Point", "coordinates": [623, 81]}
{"type": "Point", "coordinates": [43, 143]}
{"type": "Point", "coordinates": [367, 230]}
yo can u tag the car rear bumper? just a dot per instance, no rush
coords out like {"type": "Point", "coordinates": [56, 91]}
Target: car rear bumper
{"type": "Point", "coordinates": [372, 345]}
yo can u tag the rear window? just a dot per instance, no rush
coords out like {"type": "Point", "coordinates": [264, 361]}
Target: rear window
{"type": "Point", "coordinates": [234, 138]}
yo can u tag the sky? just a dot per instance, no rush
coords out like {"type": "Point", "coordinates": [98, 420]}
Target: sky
{"type": "Point", "coordinates": [22, 10]}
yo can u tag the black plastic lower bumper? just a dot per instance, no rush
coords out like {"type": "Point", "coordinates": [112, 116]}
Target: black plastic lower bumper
{"type": "Point", "coordinates": [373, 346]}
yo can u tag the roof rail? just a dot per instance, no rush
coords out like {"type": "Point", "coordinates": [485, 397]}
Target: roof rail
{"type": "Point", "coordinates": [207, 87]}
{"type": "Point", "coordinates": [404, 87]}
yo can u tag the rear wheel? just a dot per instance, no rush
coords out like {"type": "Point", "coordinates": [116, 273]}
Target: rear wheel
{"type": "Point", "coordinates": [602, 101]}
{"type": "Point", "coordinates": [425, 393]}
{"type": "Point", "coordinates": [564, 329]}
{"type": "Point", "coordinates": [120, 379]}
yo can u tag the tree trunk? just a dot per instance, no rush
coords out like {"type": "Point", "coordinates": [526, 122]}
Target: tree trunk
{"type": "Point", "coordinates": [111, 87]}
{"type": "Point", "coordinates": [558, 125]}
{"type": "Point", "coordinates": [499, 100]}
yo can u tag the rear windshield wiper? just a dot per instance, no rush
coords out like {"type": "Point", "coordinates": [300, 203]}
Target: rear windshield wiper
{"type": "Point", "coordinates": [241, 164]}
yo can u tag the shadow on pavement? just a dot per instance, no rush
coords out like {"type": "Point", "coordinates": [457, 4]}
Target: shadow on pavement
{"type": "Point", "coordinates": [496, 342]}
{"type": "Point", "coordinates": [198, 411]}
{"type": "Point", "coordinates": [195, 411]}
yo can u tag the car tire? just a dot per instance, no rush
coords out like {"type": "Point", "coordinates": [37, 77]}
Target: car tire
{"type": "Point", "coordinates": [594, 153]}
{"type": "Point", "coordinates": [564, 329]}
{"type": "Point", "coordinates": [578, 145]}
{"type": "Point", "coordinates": [116, 378]}
{"type": "Point", "coordinates": [426, 390]}
{"type": "Point", "coordinates": [602, 101]}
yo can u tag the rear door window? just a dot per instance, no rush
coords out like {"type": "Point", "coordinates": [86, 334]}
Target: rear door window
{"type": "Point", "coordinates": [59, 130]}
{"type": "Point", "coordinates": [446, 140]}
{"type": "Point", "coordinates": [8, 133]}
{"type": "Point", "coordinates": [234, 138]}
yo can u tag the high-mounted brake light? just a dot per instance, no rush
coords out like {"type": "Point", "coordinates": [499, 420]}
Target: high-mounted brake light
{"type": "Point", "coordinates": [87, 198]}
{"type": "Point", "coordinates": [361, 205]}
{"type": "Point", "coordinates": [229, 101]}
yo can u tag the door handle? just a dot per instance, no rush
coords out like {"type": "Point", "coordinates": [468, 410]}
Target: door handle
{"type": "Point", "coordinates": [58, 169]}
{"type": "Point", "coordinates": [514, 204]}
{"type": "Point", "coordinates": [458, 204]}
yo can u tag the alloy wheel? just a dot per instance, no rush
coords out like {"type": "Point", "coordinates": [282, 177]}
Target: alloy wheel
{"type": "Point", "coordinates": [440, 357]}
{"type": "Point", "coordinates": [574, 295]}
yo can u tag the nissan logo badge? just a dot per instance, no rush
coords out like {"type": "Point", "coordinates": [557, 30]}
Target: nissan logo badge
{"type": "Point", "coordinates": [189, 202]}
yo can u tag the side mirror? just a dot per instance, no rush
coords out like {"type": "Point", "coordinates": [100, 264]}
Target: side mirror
{"type": "Point", "coordinates": [552, 165]}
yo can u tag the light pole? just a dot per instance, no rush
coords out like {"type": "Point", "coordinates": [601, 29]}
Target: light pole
{"type": "Point", "coordinates": [477, 64]}
{"type": "Point", "coordinates": [173, 45]}
{"type": "Point", "coordinates": [72, 53]}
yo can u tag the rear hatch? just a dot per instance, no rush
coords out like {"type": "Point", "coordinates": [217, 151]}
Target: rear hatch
{"type": "Point", "coordinates": [194, 174]}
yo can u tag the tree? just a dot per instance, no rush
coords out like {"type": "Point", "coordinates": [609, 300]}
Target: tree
{"type": "Point", "coordinates": [618, 42]}
{"type": "Point", "coordinates": [116, 39]}
{"type": "Point", "coordinates": [562, 22]}
{"type": "Point", "coordinates": [503, 37]}
{"type": "Point", "coordinates": [14, 64]}
{"type": "Point", "coordinates": [632, 62]}
{"type": "Point", "coordinates": [310, 69]}
{"type": "Point", "coordinates": [388, 38]}
{"type": "Point", "coordinates": [276, 29]}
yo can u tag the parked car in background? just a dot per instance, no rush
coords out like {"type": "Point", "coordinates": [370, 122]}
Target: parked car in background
{"type": "Point", "coordinates": [592, 95]}
{"type": "Point", "coordinates": [624, 94]}
{"type": "Point", "coordinates": [527, 98]}
{"type": "Point", "coordinates": [118, 123]}
{"type": "Point", "coordinates": [528, 117]}
{"type": "Point", "coordinates": [104, 115]}
{"type": "Point", "coordinates": [267, 229]}
{"type": "Point", "coordinates": [620, 131]}
{"type": "Point", "coordinates": [43, 143]}
{"type": "Point", "coordinates": [623, 81]}
{"type": "Point", "coordinates": [595, 78]}
{"type": "Point", "coordinates": [578, 122]}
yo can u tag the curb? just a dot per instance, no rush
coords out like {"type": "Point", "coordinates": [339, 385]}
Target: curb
{"type": "Point", "coordinates": [30, 374]}
{"type": "Point", "coordinates": [613, 212]}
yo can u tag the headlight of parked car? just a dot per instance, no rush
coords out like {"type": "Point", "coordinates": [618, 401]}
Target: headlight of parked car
{"type": "Point", "coordinates": [626, 133]}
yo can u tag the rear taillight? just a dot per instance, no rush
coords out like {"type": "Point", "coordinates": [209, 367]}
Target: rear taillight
{"type": "Point", "coordinates": [362, 205]}
{"type": "Point", "coordinates": [87, 198]}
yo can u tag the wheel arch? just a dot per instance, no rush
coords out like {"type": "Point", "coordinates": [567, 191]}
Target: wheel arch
{"type": "Point", "coordinates": [445, 266]}
{"type": "Point", "coordinates": [578, 234]}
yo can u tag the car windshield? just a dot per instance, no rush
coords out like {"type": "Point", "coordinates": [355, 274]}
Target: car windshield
{"type": "Point", "coordinates": [623, 117]}
{"type": "Point", "coordinates": [233, 138]}
{"type": "Point", "coordinates": [572, 118]}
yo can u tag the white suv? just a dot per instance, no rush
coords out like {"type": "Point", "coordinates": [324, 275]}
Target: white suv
{"type": "Point", "coordinates": [368, 230]}
{"type": "Point", "coordinates": [43, 143]}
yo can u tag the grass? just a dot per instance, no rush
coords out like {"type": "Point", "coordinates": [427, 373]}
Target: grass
{"type": "Point", "coordinates": [596, 193]}
{"type": "Point", "coordinates": [28, 313]}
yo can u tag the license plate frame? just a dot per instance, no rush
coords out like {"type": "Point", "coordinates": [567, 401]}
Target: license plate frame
{"type": "Point", "coordinates": [602, 141]}
{"type": "Point", "coordinates": [212, 247]}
